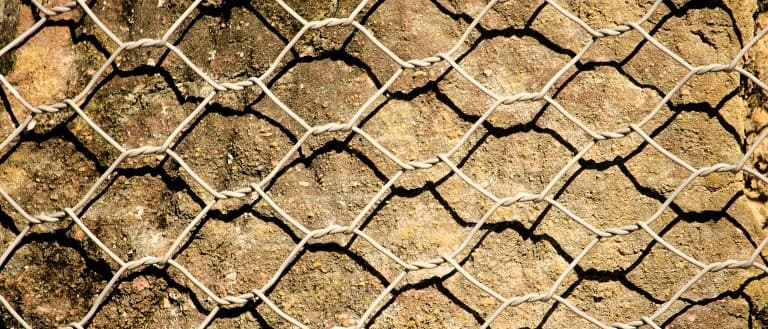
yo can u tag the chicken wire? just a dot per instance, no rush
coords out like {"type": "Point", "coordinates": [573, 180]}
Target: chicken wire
{"type": "Point", "coordinates": [259, 190]}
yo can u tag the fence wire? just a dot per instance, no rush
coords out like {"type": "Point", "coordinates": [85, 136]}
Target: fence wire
{"type": "Point", "coordinates": [259, 190]}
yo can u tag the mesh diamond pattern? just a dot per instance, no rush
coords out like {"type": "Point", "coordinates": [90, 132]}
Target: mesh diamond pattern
{"type": "Point", "coordinates": [452, 262]}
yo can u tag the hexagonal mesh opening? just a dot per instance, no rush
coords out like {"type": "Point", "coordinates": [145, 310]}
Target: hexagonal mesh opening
{"type": "Point", "coordinates": [383, 164]}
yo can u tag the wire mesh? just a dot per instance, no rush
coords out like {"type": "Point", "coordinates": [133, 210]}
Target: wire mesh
{"type": "Point", "coordinates": [305, 237]}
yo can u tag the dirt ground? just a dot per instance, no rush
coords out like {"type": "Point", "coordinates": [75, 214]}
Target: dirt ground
{"type": "Point", "coordinates": [241, 137]}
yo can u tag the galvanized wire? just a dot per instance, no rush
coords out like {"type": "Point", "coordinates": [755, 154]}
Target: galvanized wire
{"type": "Point", "coordinates": [258, 190]}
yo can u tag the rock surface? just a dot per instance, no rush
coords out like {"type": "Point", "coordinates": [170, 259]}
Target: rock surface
{"type": "Point", "coordinates": [332, 75]}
